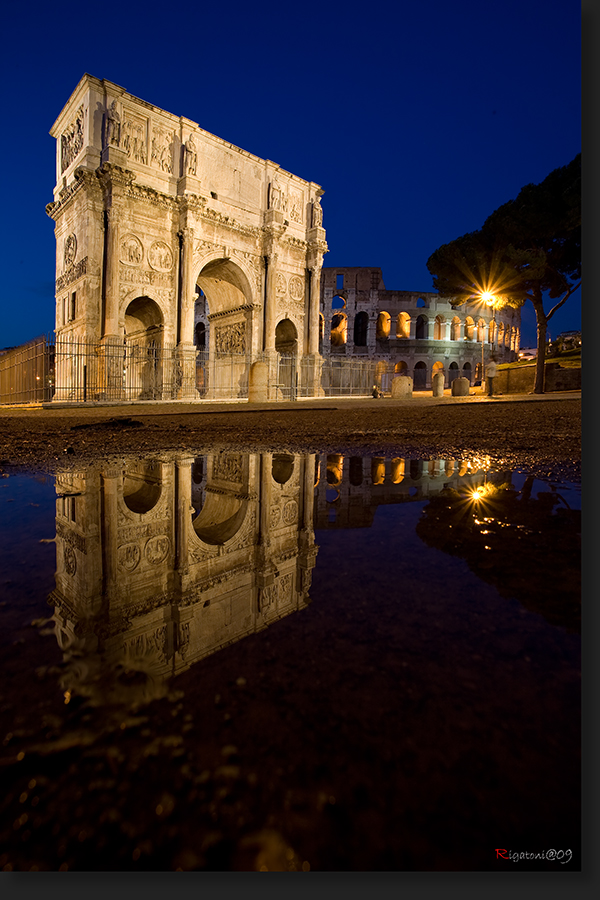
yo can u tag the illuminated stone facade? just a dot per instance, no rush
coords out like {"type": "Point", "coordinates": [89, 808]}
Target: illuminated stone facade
{"type": "Point", "coordinates": [410, 333]}
{"type": "Point", "coordinates": [161, 227]}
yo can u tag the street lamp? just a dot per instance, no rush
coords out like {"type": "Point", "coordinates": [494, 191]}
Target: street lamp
{"type": "Point", "coordinates": [490, 300]}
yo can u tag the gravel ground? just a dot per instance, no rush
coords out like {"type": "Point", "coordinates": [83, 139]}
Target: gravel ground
{"type": "Point", "coordinates": [537, 434]}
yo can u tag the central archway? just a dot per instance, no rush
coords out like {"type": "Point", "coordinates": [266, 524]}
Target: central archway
{"type": "Point", "coordinates": [224, 306]}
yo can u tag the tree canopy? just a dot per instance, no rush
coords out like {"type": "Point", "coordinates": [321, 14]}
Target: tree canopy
{"type": "Point", "coordinates": [528, 249]}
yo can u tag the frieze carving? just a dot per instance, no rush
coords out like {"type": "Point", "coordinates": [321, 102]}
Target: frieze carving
{"type": "Point", "coordinates": [283, 557]}
{"type": "Point", "coordinates": [129, 556]}
{"type": "Point", "coordinates": [134, 139]}
{"type": "Point", "coordinates": [296, 203]}
{"type": "Point", "coordinates": [160, 256]}
{"type": "Point", "coordinates": [139, 532]}
{"type": "Point", "coordinates": [78, 270]}
{"type": "Point", "coordinates": [162, 149]}
{"type": "Point", "coordinates": [70, 250]}
{"type": "Point", "coordinates": [132, 251]}
{"type": "Point", "coordinates": [228, 467]}
{"type": "Point", "coordinates": [296, 288]}
{"type": "Point", "coordinates": [281, 283]}
{"type": "Point", "coordinates": [284, 589]}
{"type": "Point", "coordinates": [152, 644]}
{"type": "Point", "coordinates": [199, 246]}
{"type": "Point", "coordinates": [69, 559]}
{"type": "Point", "coordinates": [290, 512]}
{"type": "Point", "coordinates": [71, 141]}
{"type": "Point", "coordinates": [199, 554]}
{"type": "Point", "coordinates": [128, 273]}
{"type": "Point", "coordinates": [70, 537]}
{"type": "Point", "coordinates": [231, 339]}
{"type": "Point", "coordinates": [157, 549]}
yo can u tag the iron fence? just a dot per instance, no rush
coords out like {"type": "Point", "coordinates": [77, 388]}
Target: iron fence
{"type": "Point", "coordinates": [70, 369]}
{"type": "Point", "coordinates": [27, 372]}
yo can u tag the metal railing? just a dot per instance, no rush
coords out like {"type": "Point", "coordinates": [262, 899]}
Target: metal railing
{"type": "Point", "coordinates": [27, 372]}
{"type": "Point", "coordinates": [74, 370]}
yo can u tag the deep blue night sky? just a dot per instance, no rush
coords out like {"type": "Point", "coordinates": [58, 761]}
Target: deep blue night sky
{"type": "Point", "coordinates": [418, 120]}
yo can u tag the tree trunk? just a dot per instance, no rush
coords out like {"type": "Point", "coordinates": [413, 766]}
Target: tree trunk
{"type": "Point", "coordinates": [542, 326]}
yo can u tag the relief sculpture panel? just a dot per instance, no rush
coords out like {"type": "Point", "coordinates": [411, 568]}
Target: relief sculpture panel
{"type": "Point", "coordinates": [231, 338]}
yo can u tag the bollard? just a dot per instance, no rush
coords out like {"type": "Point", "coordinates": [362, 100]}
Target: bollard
{"type": "Point", "coordinates": [258, 383]}
{"type": "Point", "coordinates": [460, 387]}
{"type": "Point", "coordinates": [402, 386]}
{"type": "Point", "coordinates": [437, 384]}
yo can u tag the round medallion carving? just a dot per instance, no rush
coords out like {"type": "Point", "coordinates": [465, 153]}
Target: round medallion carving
{"type": "Point", "coordinates": [296, 288]}
{"type": "Point", "coordinates": [70, 560]}
{"type": "Point", "coordinates": [290, 512]}
{"type": "Point", "coordinates": [157, 549]}
{"type": "Point", "coordinates": [70, 250]}
{"type": "Point", "coordinates": [129, 557]}
{"type": "Point", "coordinates": [160, 257]}
{"type": "Point", "coordinates": [132, 251]}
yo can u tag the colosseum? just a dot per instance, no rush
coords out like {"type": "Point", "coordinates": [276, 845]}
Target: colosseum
{"type": "Point", "coordinates": [408, 332]}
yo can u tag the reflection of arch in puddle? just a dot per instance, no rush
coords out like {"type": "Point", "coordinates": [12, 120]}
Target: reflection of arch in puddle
{"type": "Point", "coordinates": [282, 467]}
{"type": "Point", "coordinates": [378, 470]}
{"type": "Point", "coordinates": [335, 469]}
{"type": "Point", "coordinates": [142, 486]}
{"type": "Point", "coordinates": [220, 518]}
{"type": "Point", "coordinates": [397, 470]}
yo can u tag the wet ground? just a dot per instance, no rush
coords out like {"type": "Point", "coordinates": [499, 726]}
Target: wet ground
{"type": "Point", "coordinates": [421, 711]}
{"type": "Point", "coordinates": [540, 433]}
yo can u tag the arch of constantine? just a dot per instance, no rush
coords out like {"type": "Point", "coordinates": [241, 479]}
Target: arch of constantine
{"type": "Point", "coordinates": [186, 267]}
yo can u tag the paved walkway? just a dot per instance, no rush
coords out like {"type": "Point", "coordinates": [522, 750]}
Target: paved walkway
{"type": "Point", "coordinates": [181, 407]}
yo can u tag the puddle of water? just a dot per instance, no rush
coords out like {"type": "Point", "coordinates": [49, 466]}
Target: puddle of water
{"type": "Point", "coordinates": [291, 662]}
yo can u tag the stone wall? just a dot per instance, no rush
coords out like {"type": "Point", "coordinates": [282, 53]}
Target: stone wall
{"type": "Point", "coordinates": [521, 379]}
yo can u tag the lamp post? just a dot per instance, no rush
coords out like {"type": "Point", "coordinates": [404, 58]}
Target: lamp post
{"type": "Point", "coordinates": [489, 299]}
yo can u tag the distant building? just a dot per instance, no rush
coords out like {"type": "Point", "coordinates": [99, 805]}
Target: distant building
{"type": "Point", "coordinates": [410, 332]}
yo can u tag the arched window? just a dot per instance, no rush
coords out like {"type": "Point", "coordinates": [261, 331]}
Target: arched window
{"type": "Point", "coordinates": [339, 330]}
{"type": "Point", "coordinates": [378, 470]}
{"type": "Point", "coordinates": [361, 328]}
{"type": "Point", "coordinates": [383, 326]}
{"type": "Point", "coordinates": [421, 302]}
{"type": "Point", "coordinates": [356, 471]}
{"type": "Point", "coordinates": [481, 331]}
{"type": "Point", "coordinates": [467, 371]}
{"type": "Point", "coordinates": [401, 368]}
{"type": "Point", "coordinates": [455, 329]}
{"type": "Point", "coordinates": [438, 328]}
{"type": "Point", "coordinates": [469, 328]}
{"type": "Point", "coordinates": [437, 367]}
{"type": "Point", "coordinates": [403, 325]}
{"type": "Point", "coordinates": [452, 372]}
{"type": "Point", "coordinates": [420, 376]}
{"type": "Point", "coordinates": [338, 302]}
{"type": "Point", "coordinates": [421, 328]}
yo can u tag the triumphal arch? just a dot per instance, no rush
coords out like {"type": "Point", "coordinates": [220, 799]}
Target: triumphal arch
{"type": "Point", "coordinates": [186, 268]}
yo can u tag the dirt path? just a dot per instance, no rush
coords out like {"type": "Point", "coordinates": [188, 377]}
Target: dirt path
{"type": "Point", "coordinates": [538, 434]}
